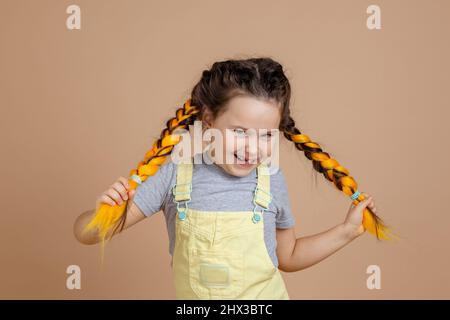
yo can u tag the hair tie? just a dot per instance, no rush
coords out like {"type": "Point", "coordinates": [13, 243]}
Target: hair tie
{"type": "Point", "coordinates": [136, 178]}
{"type": "Point", "coordinates": [355, 195]}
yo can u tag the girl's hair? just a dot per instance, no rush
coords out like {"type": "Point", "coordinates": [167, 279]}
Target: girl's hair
{"type": "Point", "coordinates": [257, 77]}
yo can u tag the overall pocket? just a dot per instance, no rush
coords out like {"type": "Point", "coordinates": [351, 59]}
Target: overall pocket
{"type": "Point", "coordinates": [216, 274]}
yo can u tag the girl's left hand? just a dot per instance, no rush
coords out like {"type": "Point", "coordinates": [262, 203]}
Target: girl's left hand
{"type": "Point", "coordinates": [353, 221]}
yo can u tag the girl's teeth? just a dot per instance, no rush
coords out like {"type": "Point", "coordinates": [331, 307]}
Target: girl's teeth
{"type": "Point", "coordinates": [242, 159]}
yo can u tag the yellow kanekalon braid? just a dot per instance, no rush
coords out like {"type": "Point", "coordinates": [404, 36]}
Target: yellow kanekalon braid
{"type": "Point", "coordinates": [108, 216]}
{"type": "Point", "coordinates": [337, 174]}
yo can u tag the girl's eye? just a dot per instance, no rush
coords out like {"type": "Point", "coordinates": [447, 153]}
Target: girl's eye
{"type": "Point", "coordinates": [239, 132]}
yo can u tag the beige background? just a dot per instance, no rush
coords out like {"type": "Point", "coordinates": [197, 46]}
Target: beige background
{"type": "Point", "coordinates": [80, 108]}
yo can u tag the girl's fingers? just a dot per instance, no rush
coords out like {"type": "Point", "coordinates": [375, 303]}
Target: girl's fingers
{"type": "Point", "coordinates": [106, 199]}
{"type": "Point", "coordinates": [114, 195]}
{"type": "Point", "coordinates": [371, 204]}
{"type": "Point", "coordinates": [368, 197]}
{"type": "Point", "coordinates": [120, 188]}
{"type": "Point", "coordinates": [365, 203]}
{"type": "Point", "coordinates": [125, 182]}
{"type": "Point", "coordinates": [117, 193]}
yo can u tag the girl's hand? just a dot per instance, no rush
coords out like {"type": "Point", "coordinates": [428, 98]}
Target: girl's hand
{"type": "Point", "coordinates": [117, 193]}
{"type": "Point", "coordinates": [353, 221]}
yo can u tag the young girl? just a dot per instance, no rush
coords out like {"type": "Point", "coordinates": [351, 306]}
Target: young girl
{"type": "Point", "coordinates": [230, 224]}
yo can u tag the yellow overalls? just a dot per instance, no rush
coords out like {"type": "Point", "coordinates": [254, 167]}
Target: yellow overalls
{"type": "Point", "coordinates": [222, 254]}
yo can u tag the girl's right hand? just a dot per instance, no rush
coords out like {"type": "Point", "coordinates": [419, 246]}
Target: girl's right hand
{"type": "Point", "coordinates": [116, 194]}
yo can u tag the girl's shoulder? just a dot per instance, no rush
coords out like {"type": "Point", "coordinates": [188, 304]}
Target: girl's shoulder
{"type": "Point", "coordinates": [164, 176]}
{"type": "Point", "coordinates": [276, 175]}
{"type": "Point", "coordinates": [281, 202]}
{"type": "Point", "coordinates": [278, 186]}
{"type": "Point", "coordinates": [169, 167]}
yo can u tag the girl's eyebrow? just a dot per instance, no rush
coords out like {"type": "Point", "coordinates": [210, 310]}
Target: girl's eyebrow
{"type": "Point", "coordinates": [236, 126]}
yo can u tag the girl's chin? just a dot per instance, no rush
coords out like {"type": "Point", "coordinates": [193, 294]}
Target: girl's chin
{"type": "Point", "coordinates": [238, 169]}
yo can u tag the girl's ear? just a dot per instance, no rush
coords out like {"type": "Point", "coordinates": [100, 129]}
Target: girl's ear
{"type": "Point", "coordinates": [207, 118]}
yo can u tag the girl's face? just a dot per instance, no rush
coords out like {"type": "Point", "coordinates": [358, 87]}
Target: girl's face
{"type": "Point", "coordinates": [247, 129]}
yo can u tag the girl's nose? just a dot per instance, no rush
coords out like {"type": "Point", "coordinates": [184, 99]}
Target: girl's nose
{"type": "Point", "coordinates": [251, 151]}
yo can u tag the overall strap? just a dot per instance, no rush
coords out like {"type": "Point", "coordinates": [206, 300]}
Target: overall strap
{"type": "Point", "coordinates": [263, 196]}
{"type": "Point", "coordinates": [182, 190]}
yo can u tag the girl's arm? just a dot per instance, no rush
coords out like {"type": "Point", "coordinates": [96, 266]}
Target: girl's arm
{"type": "Point", "coordinates": [114, 195]}
{"type": "Point", "coordinates": [134, 215]}
{"type": "Point", "coordinates": [297, 254]}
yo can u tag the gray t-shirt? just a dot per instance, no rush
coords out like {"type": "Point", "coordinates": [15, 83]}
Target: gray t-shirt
{"type": "Point", "coordinates": [213, 189]}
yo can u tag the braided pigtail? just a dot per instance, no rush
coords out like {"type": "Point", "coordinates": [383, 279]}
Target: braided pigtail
{"type": "Point", "coordinates": [334, 172]}
{"type": "Point", "coordinates": [108, 217]}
